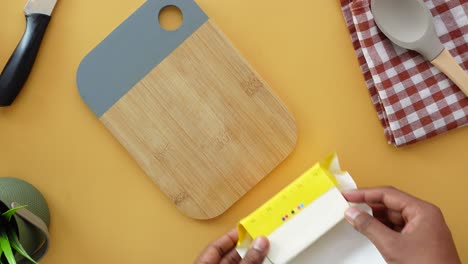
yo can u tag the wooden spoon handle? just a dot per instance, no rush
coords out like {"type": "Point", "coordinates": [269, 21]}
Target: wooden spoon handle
{"type": "Point", "coordinates": [447, 64]}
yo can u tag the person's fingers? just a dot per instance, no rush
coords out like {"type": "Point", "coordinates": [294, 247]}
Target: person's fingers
{"type": "Point", "coordinates": [227, 242]}
{"type": "Point", "coordinates": [380, 211]}
{"type": "Point", "coordinates": [380, 235]}
{"type": "Point", "coordinates": [217, 249]}
{"type": "Point", "coordinates": [232, 257]}
{"type": "Point", "coordinates": [397, 228]}
{"type": "Point", "coordinates": [395, 217]}
{"type": "Point", "coordinates": [385, 221]}
{"type": "Point", "coordinates": [392, 198]}
{"type": "Point", "coordinates": [257, 251]}
{"type": "Point", "coordinates": [389, 196]}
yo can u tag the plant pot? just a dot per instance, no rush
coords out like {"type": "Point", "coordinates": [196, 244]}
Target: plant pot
{"type": "Point", "coordinates": [33, 221]}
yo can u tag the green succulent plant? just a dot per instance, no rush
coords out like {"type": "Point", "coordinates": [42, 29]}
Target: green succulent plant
{"type": "Point", "coordinates": [9, 241]}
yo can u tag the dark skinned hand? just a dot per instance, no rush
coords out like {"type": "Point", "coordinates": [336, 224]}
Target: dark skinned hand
{"type": "Point", "coordinates": [405, 229]}
{"type": "Point", "coordinates": [223, 251]}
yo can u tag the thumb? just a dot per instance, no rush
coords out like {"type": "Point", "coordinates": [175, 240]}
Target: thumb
{"type": "Point", "coordinates": [257, 251]}
{"type": "Point", "coordinates": [379, 234]}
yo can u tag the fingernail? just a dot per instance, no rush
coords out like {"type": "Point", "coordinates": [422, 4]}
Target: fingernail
{"type": "Point", "coordinates": [351, 214]}
{"type": "Point", "coordinates": [260, 244]}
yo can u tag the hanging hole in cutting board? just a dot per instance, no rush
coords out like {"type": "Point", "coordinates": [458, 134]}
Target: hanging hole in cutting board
{"type": "Point", "coordinates": [170, 18]}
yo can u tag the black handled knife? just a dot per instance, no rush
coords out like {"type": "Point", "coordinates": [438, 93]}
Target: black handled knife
{"type": "Point", "coordinates": [19, 65]}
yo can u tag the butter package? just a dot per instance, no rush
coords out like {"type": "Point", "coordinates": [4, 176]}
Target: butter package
{"type": "Point", "coordinates": [305, 221]}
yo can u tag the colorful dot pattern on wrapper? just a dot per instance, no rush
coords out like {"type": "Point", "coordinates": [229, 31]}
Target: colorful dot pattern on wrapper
{"type": "Point", "coordinates": [293, 212]}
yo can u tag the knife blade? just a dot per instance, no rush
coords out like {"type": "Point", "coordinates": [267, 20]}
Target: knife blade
{"type": "Point", "coordinates": [16, 72]}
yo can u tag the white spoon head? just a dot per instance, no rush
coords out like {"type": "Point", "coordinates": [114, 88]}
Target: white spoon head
{"type": "Point", "coordinates": [408, 23]}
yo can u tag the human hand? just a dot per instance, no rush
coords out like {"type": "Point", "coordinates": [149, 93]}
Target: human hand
{"type": "Point", "coordinates": [223, 251]}
{"type": "Point", "coordinates": [404, 229]}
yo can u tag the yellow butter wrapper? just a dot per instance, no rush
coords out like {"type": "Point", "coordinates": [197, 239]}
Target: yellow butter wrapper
{"type": "Point", "coordinates": [288, 203]}
{"type": "Point", "coordinates": [299, 214]}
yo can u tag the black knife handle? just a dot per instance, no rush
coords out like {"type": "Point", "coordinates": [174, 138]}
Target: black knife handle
{"type": "Point", "coordinates": [19, 65]}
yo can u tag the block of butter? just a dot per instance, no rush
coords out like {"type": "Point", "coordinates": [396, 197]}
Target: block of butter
{"type": "Point", "coordinates": [302, 213]}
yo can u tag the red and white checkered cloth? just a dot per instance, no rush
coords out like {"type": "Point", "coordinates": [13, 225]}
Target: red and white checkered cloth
{"type": "Point", "coordinates": [414, 100]}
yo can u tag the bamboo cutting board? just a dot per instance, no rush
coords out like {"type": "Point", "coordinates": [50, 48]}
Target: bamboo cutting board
{"type": "Point", "coordinates": [189, 109]}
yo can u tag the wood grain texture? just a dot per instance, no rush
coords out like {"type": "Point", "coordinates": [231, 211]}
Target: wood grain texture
{"type": "Point", "coordinates": [447, 64]}
{"type": "Point", "coordinates": [204, 125]}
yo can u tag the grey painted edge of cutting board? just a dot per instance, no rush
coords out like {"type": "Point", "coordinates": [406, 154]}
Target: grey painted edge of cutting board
{"type": "Point", "coordinates": [131, 51]}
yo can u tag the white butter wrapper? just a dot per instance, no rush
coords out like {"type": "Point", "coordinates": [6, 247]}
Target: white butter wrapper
{"type": "Point", "coordinates": [318, 233]}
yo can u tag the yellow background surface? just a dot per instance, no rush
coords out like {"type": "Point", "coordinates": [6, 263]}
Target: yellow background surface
{"type": "Point", "coordinates": [106, 210]}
